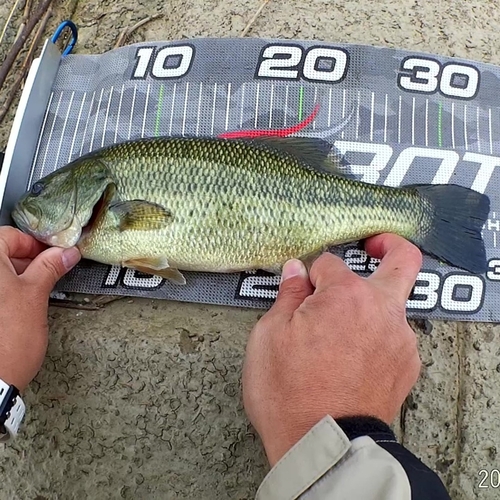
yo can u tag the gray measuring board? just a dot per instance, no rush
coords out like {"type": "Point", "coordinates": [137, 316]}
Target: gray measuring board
{"type": "Point", "coordinates": [398, 117]}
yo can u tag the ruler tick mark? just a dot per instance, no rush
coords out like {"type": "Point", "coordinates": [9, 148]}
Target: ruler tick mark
{"type": "Point", "coordinates": [490, 130]}
{"type": "Point", "coordinates": [40, 138]}
{"type": "Point", "coordinates": [286, 105]}
{"type": "Point", "coordinates": [132, 112]}
{"type": "Point", "coordinates": [357, 114]}
{"type": "Point", "coordinates": [107, 116]}
{"type": "Point", "coordinates": [453, 125]}
{"type": "Point", "coordinates": [96, 118]}
{"type": "Point", "coordinates": [64, 128]}
{"type": "Point", "coordinates": [87, 122]}
{"type": "Point", "coordinates": [52, 130]}
{"type": "Point", "coordinates": [242, 104]}
{"type": "Point", "coordinates": [119, 112]}
{"type": "Point", "coordinates": [76, 127]}
{"type": "Point", "coordinates": [257, 105]}
{"type": "Point", "coordinates": [343, 109]}
{"type": "Point", "coordinates": [465, 128]}
{"type": "Point", "coordinates": [315, 102]}
{"type": "Point", "coordinates": [199, 109]}
{"type": "Point", "coordinates": [399, 120]}
{"type": "Point", "coordinates": [427, 122]}
{"type": "Point", "coordinates": [213, 108]}
{"type": "Point", "coordinates": [172, 109]}
{"type": "Point", "coordinates": [372, 116]}
{"type": "Point", "coordinates": [185, 109]}
{"type": "Point", "coordinates": [385, 118]}
{"type": "Point", "coordinates": [271, 98]}
{"type": "Point", "coordinates": [413, 122]}
{"type": "Point", "coordinates": [329, 107]}
{"type": "Point", "coordinates": [228, 100]}
{"type": "Point", "coordinates": [477, 134]}
{"type": "Point", "coordinates": [145, 111]}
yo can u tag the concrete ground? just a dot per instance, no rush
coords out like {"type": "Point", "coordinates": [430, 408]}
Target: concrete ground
{"type": "Point", "coordinates": [142, 398]}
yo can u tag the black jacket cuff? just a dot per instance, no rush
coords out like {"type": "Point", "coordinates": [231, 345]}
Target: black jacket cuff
{"type": "Point", "coordinates": [355, 427]}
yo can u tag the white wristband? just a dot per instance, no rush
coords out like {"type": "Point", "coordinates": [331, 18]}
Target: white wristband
{"type": "Point", "coordinates": [15, 414]}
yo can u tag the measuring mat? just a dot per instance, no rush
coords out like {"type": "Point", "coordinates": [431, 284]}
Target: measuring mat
{"type": "Point", "coordinates": [397, 117]}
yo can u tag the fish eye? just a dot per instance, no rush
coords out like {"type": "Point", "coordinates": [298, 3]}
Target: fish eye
{"type": "Point", "coordinates": [37, 188]}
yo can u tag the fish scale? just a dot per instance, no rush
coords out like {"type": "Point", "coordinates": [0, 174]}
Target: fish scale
{"type": "Point", "coordinates": [220, 205]}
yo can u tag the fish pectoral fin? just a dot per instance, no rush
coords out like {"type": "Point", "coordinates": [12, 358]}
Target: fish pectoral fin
{"type": "Point", "coordinates": [140, 215]}
{"type": "Point", "coordinates": [312, 151]}
{"type": "Point", "coordinates": [158, 267]}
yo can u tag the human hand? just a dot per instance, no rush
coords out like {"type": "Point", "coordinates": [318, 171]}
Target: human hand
{"type": "Point", "coordinates": [28, 273]}
{"type": "Point", "coordinates": [333, 343]}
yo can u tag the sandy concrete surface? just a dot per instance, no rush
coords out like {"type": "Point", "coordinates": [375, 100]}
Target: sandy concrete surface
{"type": "Point", "coordinates": [142, 399]}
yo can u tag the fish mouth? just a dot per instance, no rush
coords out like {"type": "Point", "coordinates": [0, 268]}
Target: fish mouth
{"type": "Point", "coordinates": [25, 221]}
{"type": "Point", "coordinates": [30, 224]}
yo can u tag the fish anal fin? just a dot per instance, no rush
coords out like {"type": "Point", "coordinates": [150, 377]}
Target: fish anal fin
{"type": "Point", "coordinates": [140, 215]}
{"type": "Point", "coordinates": [155, 263]}
{"type": "Point", "coordinates": [158, 267]}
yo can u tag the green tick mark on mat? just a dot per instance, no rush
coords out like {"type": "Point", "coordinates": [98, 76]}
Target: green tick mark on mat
{"type": "Point", "coordinates": [301, 103]}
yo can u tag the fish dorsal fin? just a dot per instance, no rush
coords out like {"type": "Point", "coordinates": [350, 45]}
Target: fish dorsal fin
{"type": "Point", "coordinates": [140, 215]}
{"type": "Point", "coordinates": [312, 152]}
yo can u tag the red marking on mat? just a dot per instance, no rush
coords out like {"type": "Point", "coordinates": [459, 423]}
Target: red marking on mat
{"type": "Point", "coordinates": [283, 132]}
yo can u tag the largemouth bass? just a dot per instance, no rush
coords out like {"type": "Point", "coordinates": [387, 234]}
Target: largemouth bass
{"type": "Point", "coordinates": [168, 204]}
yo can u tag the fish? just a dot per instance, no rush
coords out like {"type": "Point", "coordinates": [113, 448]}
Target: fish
{"type": "Point", "coordinates": [168, 205]}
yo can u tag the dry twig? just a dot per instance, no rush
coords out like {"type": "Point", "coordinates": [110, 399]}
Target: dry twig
{"type": "Point", "coordinates": [11, 13]}
{"type": "Point", "coordinates": [21, 39]}
{"type": "Point", "coordinates": [24, 20]}
{"type": "Point", "coordinates": [128, 31]}
{"type": "Point", "coordinates": [102, 300]}
{"type": "Point", "coordinates": [25, 67]}
{"type": "Point", "coordinates": [255, 16]}
{"type": "Point", "coordinates": [73, 305]}
{"type": "Point", "coordinates": [95, 304]}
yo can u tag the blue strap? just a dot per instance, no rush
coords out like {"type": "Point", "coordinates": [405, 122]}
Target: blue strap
{"type": "Point", "coordinates": [74, 30]}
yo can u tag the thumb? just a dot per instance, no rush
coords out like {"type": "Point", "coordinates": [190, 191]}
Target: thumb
{"type": "Point", "coordinates": [50, 266]}
{"type": "Point", "coordinates": [295, 287]}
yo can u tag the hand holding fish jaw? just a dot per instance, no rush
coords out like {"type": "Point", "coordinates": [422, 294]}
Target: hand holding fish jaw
{"type": "Point", "coordinates": [333, 343]}
{"type": "Point", "coordinates": [28, 273]}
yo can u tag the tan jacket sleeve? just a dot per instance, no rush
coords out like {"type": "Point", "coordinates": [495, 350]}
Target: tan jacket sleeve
{"type": "Point", "coordinates": [326, 465]}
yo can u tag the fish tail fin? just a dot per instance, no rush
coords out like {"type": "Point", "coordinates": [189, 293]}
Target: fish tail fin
{"type": "Point", "coordinates": [452, 233]}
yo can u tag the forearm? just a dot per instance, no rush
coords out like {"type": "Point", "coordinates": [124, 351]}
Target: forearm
{"type": "Point", "coordinates": [351, 458]}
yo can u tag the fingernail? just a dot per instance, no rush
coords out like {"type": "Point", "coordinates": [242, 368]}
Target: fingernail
{"type": "Point", "coordinates": [70, 257]}
{"type": "Point", "coordinates": [293, 268]}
